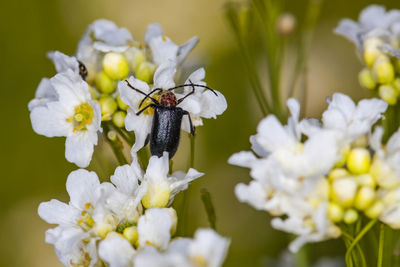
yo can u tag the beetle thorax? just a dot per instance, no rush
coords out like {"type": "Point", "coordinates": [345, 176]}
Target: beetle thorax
{"type": "Point", "coordinates": [168, 99]}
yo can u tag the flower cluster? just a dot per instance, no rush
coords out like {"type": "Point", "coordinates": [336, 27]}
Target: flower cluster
{"type": "Point", "coordinates": [109, 85]}
{"type": "Point", "coordinates": [84, 92]}
{"type": "Point", "coordinates": [127, 222]}
{"type": "Point", "coordinates": [377, 37]}
{"type": "Point", "coordinates": [312, 176]}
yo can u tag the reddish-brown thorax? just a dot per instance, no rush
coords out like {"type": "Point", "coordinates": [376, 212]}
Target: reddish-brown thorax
{"type": "Point", "coordinates": [168, 99]}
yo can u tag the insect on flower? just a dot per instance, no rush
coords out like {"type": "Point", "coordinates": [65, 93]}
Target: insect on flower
{"type": "Point", "coordinates": [167, 120]}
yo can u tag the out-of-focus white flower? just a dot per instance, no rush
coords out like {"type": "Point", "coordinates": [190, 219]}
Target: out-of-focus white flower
{"type": "Point", "coordinates": [373, 21]}
{"type": "Point", "coordinates": [63, 107]}
{"type": "Point", "coordinates": [350, 120]}
{"type": "Point", "coordinates": [163, 49]}
{"type": "Point", "coordinates": [161, 187]}
{"type": "Point", "coordinates": [202, 104]}
{"type": "Point", "coordinates": [116, 251]}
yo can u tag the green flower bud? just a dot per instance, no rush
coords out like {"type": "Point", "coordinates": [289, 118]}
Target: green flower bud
{"type": "Point", "coordinates": [364, 198]}
{"type": "Point", "coordinates": [389, 94]}
{"type": "Point", "coordinates": [375, 210]}
{"type": "Point", "coordinates": [337, 173]}
{"type": "Point", "coordinates": [108, 106]}
{"type": "Point", "coordinates": [104, 83]}
{"type": "Point", "coordinates": [335, 212]}
{"type": "Point", "coordinates": [344, 191]}
{"type": "Point", "coordinates": [383, 69]}
{"type": "Point", "coordinates": [136, 57]}
{"type": "Point", "coordinates": [371, 50]}
{"type": "Point", "coordinates": [358, 160]}
{"type": "Point", "coordinates": [119, 119]}
{"type": "Point", "coordinates": [396, 84]}
{"type": "Point", "coordinates": [115, 65]}
{"type": "Point", "coordinates": [131, 234]}
{"type": "Point", "coordinates": [350, 216]}
{"type": "Point", "coordinates": [366, 79]}
{"type": "Point", "coordinates": [361, 141]}
{"type": "Point", "coordinates": [121, 104]}
{"type": "Point", "coordinates": [93, 92]}
{"type": "Point", "coordinates": [145, 72]}
{"type": "Point", "coordinates": [366, 180]}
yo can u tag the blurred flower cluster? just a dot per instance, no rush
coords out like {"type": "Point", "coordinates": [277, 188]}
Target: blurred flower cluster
{"type": "Point", "coordinates": [109, 89]}
{"type": "Point", "coordinates": [313, 176]}
{"type": "Point", "coordinates": [377, 38]}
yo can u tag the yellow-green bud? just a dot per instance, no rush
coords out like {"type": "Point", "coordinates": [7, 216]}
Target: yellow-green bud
{"type": "Point", "coordinates": [358, 160]}
{"type": "Point", "coordinates": [366, 180]}
{"type": "Point", "coordinates": [93, 92]}
{"type": "Point", "coordinates": [396, 84]}
{"type": "Point", "coordinates": [121, 104]}
{"type": "Point", "coordinates": [364, 198]}
{"type": "Point", "coordinates": [366, 79]}
{"type": "Point", "coordinates": [375, 210]}
{"type": "Point", "coordinates": [383, 70]}
{"type": "Point", "coordinates": [112, 135]}
{"type": "Point", "coordinates": [104, 83]}
{"type": "Point", "coordinates": [115, 65]}
{"type": "Point", "coordinates": [389, 94]}
{"type": "Point", "coordinates": [157, 196]}
{"type": "Point", "coordinates": [343, 155]}
{"type": "Point", "coordinates": [335, 212]}
{"type": "Point", "coordinates": [286, 24]}
{"type": "Point", "coordinates": [371, 50]}
{"type": "Point", "coordinates": [131, 234]}
{"type": "Point", "coordinates": [108, 106]}
{"type": "Point", "coordinates": [337, 173]}
{"type": "Point", "coordinates": [361, 141]}
{"type": "Point", "coordinates": [135, 57]}
{"type": "Point", "coordinates": [344, 191]}
{"type": "Point", "coordinates": [350, 216]}
{"type": "Point", "coordinates": [119, 119]}
{"type": "Point", "coordinates": [102, 229]}
{"type": "Point", "coordinates": [145, 72]}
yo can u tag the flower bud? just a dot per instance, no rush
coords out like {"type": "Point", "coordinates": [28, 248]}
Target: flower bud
{"type": "Point", "coordinates": [358, 160]}
{"type": "Point", "coordinates": [383, 69]}
{"type": "Point", "coordinates": [115, 66]}
{"type": "Point", "coordinates": [366, 79]}
{"type": "Point", "coordinates": [371, 50]}
{"type": "Point", "coordinates": [286, 24]}
{"type": "Point", "coordinates": [135, 57]}
{"type": "Point", "coordinates": [119, 119]}
{"type": "Point", "coordinates": [384, 175]}
{"type": "Point", "coordinates": [361, 141]}
{"type": "Point", "coordinates": [337, 173]}
{"type": "Point", "coordinates": [350, 216]}
{"type": "Point", "coordinates": [104, 83]}
{"type": "Point", "coordinates": [108, 106]}
{"type": "Point", "coordinates": [344, 191]}
{"type": "Point", "coordinates": [366, 180]}
{"type": "Point", "coordinates": [364, 198]}
{"type": "Point", "coordinates": [102, 229]}
{"type": "Point", "coordinates": [145, 72]}
{"type": "Point", "coordinates": [389, 94]}
{"type": "Point", "coordinates": [343, 155]}
{"type": "Point", "coordinates": [157, 196]}
{"type": "Point", "coordinates": [121, 104]}
{"type": "Point", "coordinates": [396, 84]}
{"type": "Point", "coordinates": [93, 92]}
{"type": "Point", "coordinates": [131, 234]}
{"type": "Point", "coordinates": [375, 210]}
{"type": "Point", "coordinates": [335, 212]}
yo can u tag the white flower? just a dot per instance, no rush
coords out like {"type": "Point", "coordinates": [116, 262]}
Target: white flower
{"type": "Point", "coordinates": [63, 63]}
{"type": "Point", "coordinates": [163, 49]}
{"type": "Point", "coordinates": [373, 21]}
{"type": "Point", "coordinates": [203, 103]}
{"type": "Point", "coordinates": [161, 187]}
{"type": "Point", "coordinates": [350, 120]}
{"type": "Point", "coordinates": [116, 251]}
{"type": "Point", "coordinates": [64, 108]}
{"type": "Point", "coordinates": [208, 248]}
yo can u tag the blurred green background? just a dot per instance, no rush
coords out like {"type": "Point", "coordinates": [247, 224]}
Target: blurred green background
{"type": "Point", "coordinates": [34, 168]}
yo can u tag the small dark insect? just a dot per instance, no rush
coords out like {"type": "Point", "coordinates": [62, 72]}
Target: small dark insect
{"type": "Point", "coordinates": [167, 120]}
{"type": "Point", "coordinates": [82, 70]}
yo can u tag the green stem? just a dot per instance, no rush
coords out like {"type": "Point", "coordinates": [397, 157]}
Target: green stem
{"type": "Point", "coordinates": [381, 244]}
{"type": "Point", "coordinates": [348, 240]}
{"type": "Point", "coordinates": [302, 257]}
{"type": "Point", "coordinates": [116, 145]}
{"type": "Point", "coordinates": [124, 135]}
{"type": "Point", "coordinates": [358, 238]}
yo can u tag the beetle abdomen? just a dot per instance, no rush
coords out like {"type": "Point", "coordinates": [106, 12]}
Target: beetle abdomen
{"type": "Point", "coordinates": [165, 131]}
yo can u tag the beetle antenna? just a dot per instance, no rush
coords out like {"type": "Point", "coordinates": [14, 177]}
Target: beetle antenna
{"type": "Point", "coordinates": [191, 93]}
{"type": "Point", "coordinates": [148, 95]}
{"type": "Point", "coordinates": [141, 92]}
{"type": "Point", "coordinates": [193, 84]}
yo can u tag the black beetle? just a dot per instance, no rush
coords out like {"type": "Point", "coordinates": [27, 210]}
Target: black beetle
{"type": "Point", "coordinates": [167, 120]}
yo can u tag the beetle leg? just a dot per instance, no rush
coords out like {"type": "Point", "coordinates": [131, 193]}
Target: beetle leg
{"type": "Point", "coordinates": [141, 92]}
{"type": "Point", "coordinates": [146, 107]}
{"type": "Point", "coordinates": [192, 128]}
{"type": "Point", "coordinates": [148, 95]}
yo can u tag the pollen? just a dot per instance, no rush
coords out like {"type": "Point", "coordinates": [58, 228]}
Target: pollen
{"type": "Point", "coordinates": [83, 116]}
{"type": "Point", "coordinates": [146, 102]}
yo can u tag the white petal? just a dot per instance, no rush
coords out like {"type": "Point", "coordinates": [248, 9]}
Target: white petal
{"type": "Point", "coordinates": [185, 49]}
{"type": "Point", "coordinates": [243, 159]}
{"type": "Point", "coordinates": [253, 194]}
{"type": "Point", "coordinates": [49, 122]}
{"type": "Point", "coordinates": [154, 228]}
{"type": "Point", "coordinates": [79, 148]}
{"type": "Point", "coordinates": [126, 178]}
{"type": "Point", "coordinates": [63, 62]}
{"type": "Point", "coordinates": [350, 30]}
{"type": "Point", "coordinates": [158, 167]}
{"type": "Point", "coordinates": [164, 75]}
{"type": "Point", "coordinates": [57, 212]}
{"type": "Point", "coordinates": [212, 105]}
{"type": "Point", "coordinates": [153, 30]}
{"type": "Point", "coordinates": [116, 251]}
{"type": "Point", "coordinates": [81, 187]}
{"type": "Point", "coordinates": [45, 93]}
{"type": "Point", "coordinates": [141, 125]}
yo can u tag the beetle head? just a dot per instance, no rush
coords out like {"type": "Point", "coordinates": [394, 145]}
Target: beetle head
{"type": "Point", "coordinates": [168, 99]}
